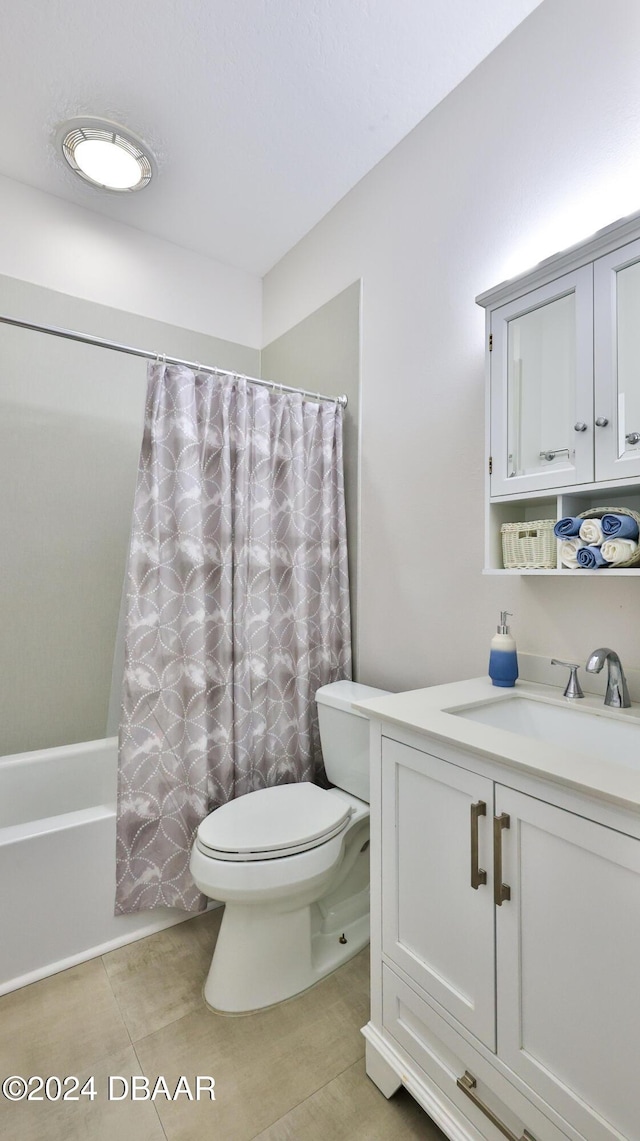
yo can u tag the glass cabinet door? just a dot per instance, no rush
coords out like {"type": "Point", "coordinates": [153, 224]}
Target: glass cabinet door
{"type": "Point", "coordinates": [617, 363]}
{"type": "Point", "coordinates": [541, 388]}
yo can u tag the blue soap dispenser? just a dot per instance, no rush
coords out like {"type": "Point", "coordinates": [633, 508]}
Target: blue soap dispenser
{"type": "Point", "coordinates": [503, 659]}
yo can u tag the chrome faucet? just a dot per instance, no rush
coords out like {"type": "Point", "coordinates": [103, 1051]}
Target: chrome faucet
{"type": "Point", "coordinates": [617, 694]}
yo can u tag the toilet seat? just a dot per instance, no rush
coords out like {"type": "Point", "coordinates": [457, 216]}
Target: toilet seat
{"type": "Point", "coordinates": [273, 822]}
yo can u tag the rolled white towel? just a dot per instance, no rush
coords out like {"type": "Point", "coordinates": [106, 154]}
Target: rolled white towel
{"type": "Point", "coordinates": [568, 549]}
{"type": "Point", "coordinates": [618, 550]}
{"type": "Point", "coordinates": [591, 532]}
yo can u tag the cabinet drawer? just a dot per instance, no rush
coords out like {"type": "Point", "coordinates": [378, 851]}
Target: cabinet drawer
{"type": "Point", "coordinates": [444, 1057]}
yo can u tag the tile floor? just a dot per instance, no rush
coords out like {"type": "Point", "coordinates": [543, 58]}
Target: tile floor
{"type": "Point", "coordinates": [292, 1073]}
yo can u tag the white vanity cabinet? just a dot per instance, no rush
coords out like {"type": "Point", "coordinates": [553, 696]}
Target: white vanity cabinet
{"type": "Point", "coordinates": [563, 386]}
{"type": "Point", "coordinates": [505, 948]}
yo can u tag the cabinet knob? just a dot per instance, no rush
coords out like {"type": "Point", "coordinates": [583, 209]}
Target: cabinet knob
{"type": "Point", "coordinates": [602, 422]}
{"type": "Point", "coordinates": [579, 426]}
{"type": "Point", "coordinates": [633, 437]}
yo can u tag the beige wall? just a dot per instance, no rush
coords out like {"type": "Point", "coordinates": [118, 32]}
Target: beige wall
{"type": "Point", "coordinates": [322, 353]}
{"type": "Point", "coordinates": [70, 430]}
{"type": "Point", "coordinates": [81, 253]}
{"type": "Point", "coordinates": [536, 149]}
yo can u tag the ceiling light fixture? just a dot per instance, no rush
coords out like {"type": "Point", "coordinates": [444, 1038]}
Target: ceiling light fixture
{"type": "Point", "coordinates": [106, 155]}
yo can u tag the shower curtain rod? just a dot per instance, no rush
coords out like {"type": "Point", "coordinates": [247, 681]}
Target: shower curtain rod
{"type": "Point", "coordinates": [72, 335]}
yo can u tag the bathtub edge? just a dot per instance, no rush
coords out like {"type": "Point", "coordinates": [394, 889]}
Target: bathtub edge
{"type": "Point", "coordinates": [150, 928]}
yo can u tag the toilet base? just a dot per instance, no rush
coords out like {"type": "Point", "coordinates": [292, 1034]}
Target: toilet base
{"type": "Point", "coordinates": [263, 957]}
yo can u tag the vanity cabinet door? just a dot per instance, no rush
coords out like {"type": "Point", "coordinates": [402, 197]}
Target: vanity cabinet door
{"type": "Point", "coordinates": [435, 926]}
{"type": "Point", "coordinates": [542, 387]}
{"type": "Point", "coordinates": [568, 949]}
{"type": "Point", "coordinates": [617, 363]}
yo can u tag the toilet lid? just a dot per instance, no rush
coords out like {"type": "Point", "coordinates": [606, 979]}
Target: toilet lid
{"type": "Point", "coordinates": [273, 822]}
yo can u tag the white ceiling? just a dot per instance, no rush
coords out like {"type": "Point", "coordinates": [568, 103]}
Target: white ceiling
{"type": "Point", "coordinates": [262, 114]}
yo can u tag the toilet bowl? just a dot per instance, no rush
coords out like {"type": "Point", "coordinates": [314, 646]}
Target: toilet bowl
{"type": "Point", "coordinates": [291, 864]}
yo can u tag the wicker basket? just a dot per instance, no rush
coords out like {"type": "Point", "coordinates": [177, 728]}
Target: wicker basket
{"type": "Point", "coordinates": [529, 545]}
{"type": "Point", "coordinates": [598, 512]}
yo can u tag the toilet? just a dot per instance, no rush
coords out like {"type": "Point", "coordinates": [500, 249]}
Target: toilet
{"type": "Point", "coordinates": [291, 863]}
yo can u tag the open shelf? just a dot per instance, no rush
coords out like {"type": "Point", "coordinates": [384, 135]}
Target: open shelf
{"type": "Point", "coordinates": [611, 572]}
{"type": "Point", "coordinates": [545, 506]}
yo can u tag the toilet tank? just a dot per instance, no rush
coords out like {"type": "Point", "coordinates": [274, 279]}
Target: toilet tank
{"type": "Point", "coordinates": [344, 735]}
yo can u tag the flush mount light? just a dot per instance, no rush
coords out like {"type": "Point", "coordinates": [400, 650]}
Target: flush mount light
{"type": "Point", "coordinates": [106, 155]}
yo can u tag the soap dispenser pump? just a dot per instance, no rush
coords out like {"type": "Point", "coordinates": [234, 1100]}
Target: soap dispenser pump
{"type": "Point", "coordinates": [503, 659]}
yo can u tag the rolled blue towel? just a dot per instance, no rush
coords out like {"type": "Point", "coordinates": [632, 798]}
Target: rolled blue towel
{"type": "Point", "coordinates": [567, 528]}
{"type": "Point", "coordinates": [619, 527]}
{"type": "Point", "coordinates": [591, 558]}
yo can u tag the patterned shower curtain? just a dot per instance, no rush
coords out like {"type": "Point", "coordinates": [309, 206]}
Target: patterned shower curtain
{"type": "Point", "coordinates": [238, 610]}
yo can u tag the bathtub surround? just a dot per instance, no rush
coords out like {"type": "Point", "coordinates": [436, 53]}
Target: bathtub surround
{"type": "Point", "coordinates": [71, 420]}
{"type": "Point", "coordinates": [238, 611]}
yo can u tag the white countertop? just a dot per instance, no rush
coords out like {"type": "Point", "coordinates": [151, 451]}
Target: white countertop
{"type": "Point", "coordinates": [425, 711]}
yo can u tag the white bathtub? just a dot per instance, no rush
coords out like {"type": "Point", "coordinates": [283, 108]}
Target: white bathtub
{"type": "Point", "coordinates": [57, 863]}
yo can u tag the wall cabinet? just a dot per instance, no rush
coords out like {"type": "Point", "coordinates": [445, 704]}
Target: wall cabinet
{"type": "Point", "coordinates": [505, 944]}
{"type": "Point", "coordinates": [563, 404]}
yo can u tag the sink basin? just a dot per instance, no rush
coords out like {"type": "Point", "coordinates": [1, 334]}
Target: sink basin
{"type": "Point", "coordinates": [606, 738]}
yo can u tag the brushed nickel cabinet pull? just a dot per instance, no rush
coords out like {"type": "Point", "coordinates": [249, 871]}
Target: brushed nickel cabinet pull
{"type": "Point", "coordinates": [501, 891]}
{"type": "Point", "coordinates": [467, 1083]}
{"type": "Point", "coordinates": [478, 875]}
